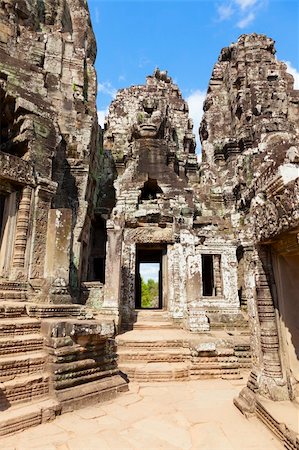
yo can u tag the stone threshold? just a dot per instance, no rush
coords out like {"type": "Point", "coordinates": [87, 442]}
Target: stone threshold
{"type": "Point", "coordinates": [282, 418]}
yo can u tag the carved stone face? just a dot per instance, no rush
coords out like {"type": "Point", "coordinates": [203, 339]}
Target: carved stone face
{"type": "Point", "coordinates": [148, 120]}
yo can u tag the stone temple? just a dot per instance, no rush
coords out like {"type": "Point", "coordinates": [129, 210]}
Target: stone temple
{"type": "Point", "coordinates": [84, 210]}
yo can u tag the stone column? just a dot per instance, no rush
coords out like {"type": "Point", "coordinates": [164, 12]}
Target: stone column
{"type": "Point", "coordinates": [267, 318]}
{"type": "Point", "coordinates": [113, 269]}
{"type": "Point", "coordinates": [266, 377]}
{"type": "Point", "coordinates": [127, 286]}
{"type": "Point", "coordinates": [217, 275]}
{"type": "Point", "coordinates": [22, 229]}
{"type": "Point", "coordinates": [57, 262]}
{"type": "Point", "coordinates": [196, 320]}
{"type": "Point", "coordinates": [42, 204]}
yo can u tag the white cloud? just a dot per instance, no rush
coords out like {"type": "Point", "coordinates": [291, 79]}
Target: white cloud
{"type": "Point", "coordinates": [243, 12]}
{"type": "Point", "coordinates": [102, 113]}
{"type": "Point", "coordinates": [243, 23]}
{"type": "Point", "coordinates": [195, 102]}
{"type": "Point", "coordinates": [244, 4]}
{"type": "Point", "coordinates": [97, 15]}
{"type": "Point", "coordinates": [293, 71]}
{"type": "Point", "coordinates": [107, 88]}
{"type": "Point", "coordinates": [225, 12]}
{"type": "Point", "coordinates": [149, 270]}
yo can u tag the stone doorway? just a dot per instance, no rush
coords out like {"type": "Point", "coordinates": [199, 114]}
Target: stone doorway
{"type": "Point", "coordinates": [149, 278]}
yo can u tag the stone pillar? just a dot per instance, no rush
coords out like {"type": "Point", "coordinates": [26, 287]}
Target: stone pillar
{"type": "Point", "coordinates": [42, 204]}
{"type": "Point", "coordinates": [217, 275]}
{"type": "Point", "coordinates": [22, 228]}
{"type": "Point", "coordinates": [57, 267]}
{"type": "Point", "coordinates": [127, 286]}
{"type": "Point", "coordinates": [8, 235]}
{"type": "Point", "coordinates": [177, 306]}
{"type": "Point", "coordinates": [197, 320]}
{"type": "Point", "coordinates": [267, 317]}
{"type": "Point", "coordinates": [266, 377]}
{"type": "Point", "coordinates": [113, 269]}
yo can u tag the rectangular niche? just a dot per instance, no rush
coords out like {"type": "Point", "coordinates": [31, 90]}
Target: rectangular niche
{"type": "Point", "coordinates": [211, 275]}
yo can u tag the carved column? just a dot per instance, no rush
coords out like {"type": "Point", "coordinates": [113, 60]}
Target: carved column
{"type": "Point", "coordinates": [217, 275]}
{"type": "Point", "coordinates": [267, 318]}
{"type": "Point", "coordinates": [22, 228]}
{"type": "Point", "coordinates": [266, 377]}
{"type": "Point", "coordinates": [113, 268]}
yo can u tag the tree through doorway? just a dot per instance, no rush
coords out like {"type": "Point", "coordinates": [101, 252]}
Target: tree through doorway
{"type": "Point", "coordinates": [148, 279]}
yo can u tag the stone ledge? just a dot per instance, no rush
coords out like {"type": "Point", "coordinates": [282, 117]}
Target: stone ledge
{"type": "Point", "coordinates": [282, 418]}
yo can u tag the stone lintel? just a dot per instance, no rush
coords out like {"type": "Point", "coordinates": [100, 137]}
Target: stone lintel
{"type": "Point", "coordinates": [16, 169]}
{"type": "Point", "coordinates": [150, 235]}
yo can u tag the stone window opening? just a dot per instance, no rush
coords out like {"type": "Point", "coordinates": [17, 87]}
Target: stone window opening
{"type": "Point", "coordinates": [272, 77]}
{"type": "Point", "coordinates": [211, 275]}
{"type": "Point", "coordinates": [150, 190]}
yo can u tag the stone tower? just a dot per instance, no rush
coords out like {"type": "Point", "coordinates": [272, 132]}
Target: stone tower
{"type": "Point", "coordinates": [158, 216]}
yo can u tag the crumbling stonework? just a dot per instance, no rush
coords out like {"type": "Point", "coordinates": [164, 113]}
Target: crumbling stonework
{"type": "Point", "coordinates": [249, 136]}
{"type": "Point", "coordinates": [150, 138]}
{"type": "Point", "coordinates": [54, 353]}
{"type": "Point", "coordinates": [81, 209]}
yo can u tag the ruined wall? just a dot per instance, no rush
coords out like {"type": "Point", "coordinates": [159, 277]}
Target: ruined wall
{"type": "Point", "coordinates": [249, 135]}
{"type": "Point", "coordinates": [55, 355]}
{"type": "Point", "coordinates": [159, 205]}
{"type": "Point", "coordinates": [48, 124]}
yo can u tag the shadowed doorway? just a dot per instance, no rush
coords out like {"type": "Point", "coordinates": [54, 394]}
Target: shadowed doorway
{"type": "Point", "coordinates": [148, 278]}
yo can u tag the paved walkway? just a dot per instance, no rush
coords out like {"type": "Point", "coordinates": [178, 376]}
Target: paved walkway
{"type": "Point", "coordinates": [177, 415]}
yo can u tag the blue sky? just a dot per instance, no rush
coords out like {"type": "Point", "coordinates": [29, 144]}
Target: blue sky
{"type": "Point", "coordinates": [184, 37]}
{"type": "Point", "coordinates": [149, 270]}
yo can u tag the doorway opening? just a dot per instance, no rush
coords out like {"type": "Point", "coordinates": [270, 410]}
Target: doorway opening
{"type": "Point", "coordinates": [148, 278]}
{"type": "Point", "coordinates": [97, 253]}
{"type": "Point", "coordinates": [207, 275]}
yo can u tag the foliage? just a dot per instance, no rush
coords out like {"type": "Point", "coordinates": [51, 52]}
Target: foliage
{"type": "Point", "coordinates": [140, 117]}
{"type": "Point", "coordinates": [149, 294]}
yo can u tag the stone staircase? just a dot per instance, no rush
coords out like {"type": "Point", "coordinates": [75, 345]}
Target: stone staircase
{"type": "Point", "coordinates": [24, 380]}
{"type": "Point", "coordinates": [156, 350]}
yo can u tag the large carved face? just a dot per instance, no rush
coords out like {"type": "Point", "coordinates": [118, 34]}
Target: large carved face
{"type": "Point", "coordinates": [148, 120]}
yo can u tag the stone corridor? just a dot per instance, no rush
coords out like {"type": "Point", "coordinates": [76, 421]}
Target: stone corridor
{"type": "Point", "coordinates": [177, 415]}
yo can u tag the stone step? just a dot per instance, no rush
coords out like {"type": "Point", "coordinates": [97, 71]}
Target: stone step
{"type": "Point", "coordinates": [9, 295]}
{"type": "Point", "coordinates": [214, 371]}
{"type": "Point", "coordinates": [11, 309]}
{"type": "Point", "coordinates": [160, 316]}
{"type": "Point", "coordinates": [244, 358]}
{"type": "Point", "coordinates": [18, 418]}
{"type": "Point", "coordinates": [93, 392]}
{"type": "Point", "coordinates": [156, 371]}
{"type": "Point", "coordinates": [18, 326]}
{"type": "Point", "coordinates": [23, 389]}
{"type": "Point", "coordinates": [150, 345]}
{"type": "Point", "coordinates": [20, 344]}
{"type": "Point", "coordinates": [168, 355]}
{"type": "Point", "coordinates": [14, 366]}
{"type": "Point", "coordinates": [153, 325]}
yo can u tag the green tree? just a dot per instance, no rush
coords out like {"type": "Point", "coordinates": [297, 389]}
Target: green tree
{"type": "Point", "coordinates": [149, 294]}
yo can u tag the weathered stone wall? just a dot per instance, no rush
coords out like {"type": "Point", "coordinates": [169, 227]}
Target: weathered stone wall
{"type": "Point", "coordinates": [158, 205]}
{"type": "Point", "coordinates": [250, 141]}
{"type": "Point", "coordinates": [249, 137]}
{"type": "Point", "coordinates": [48, 123]}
